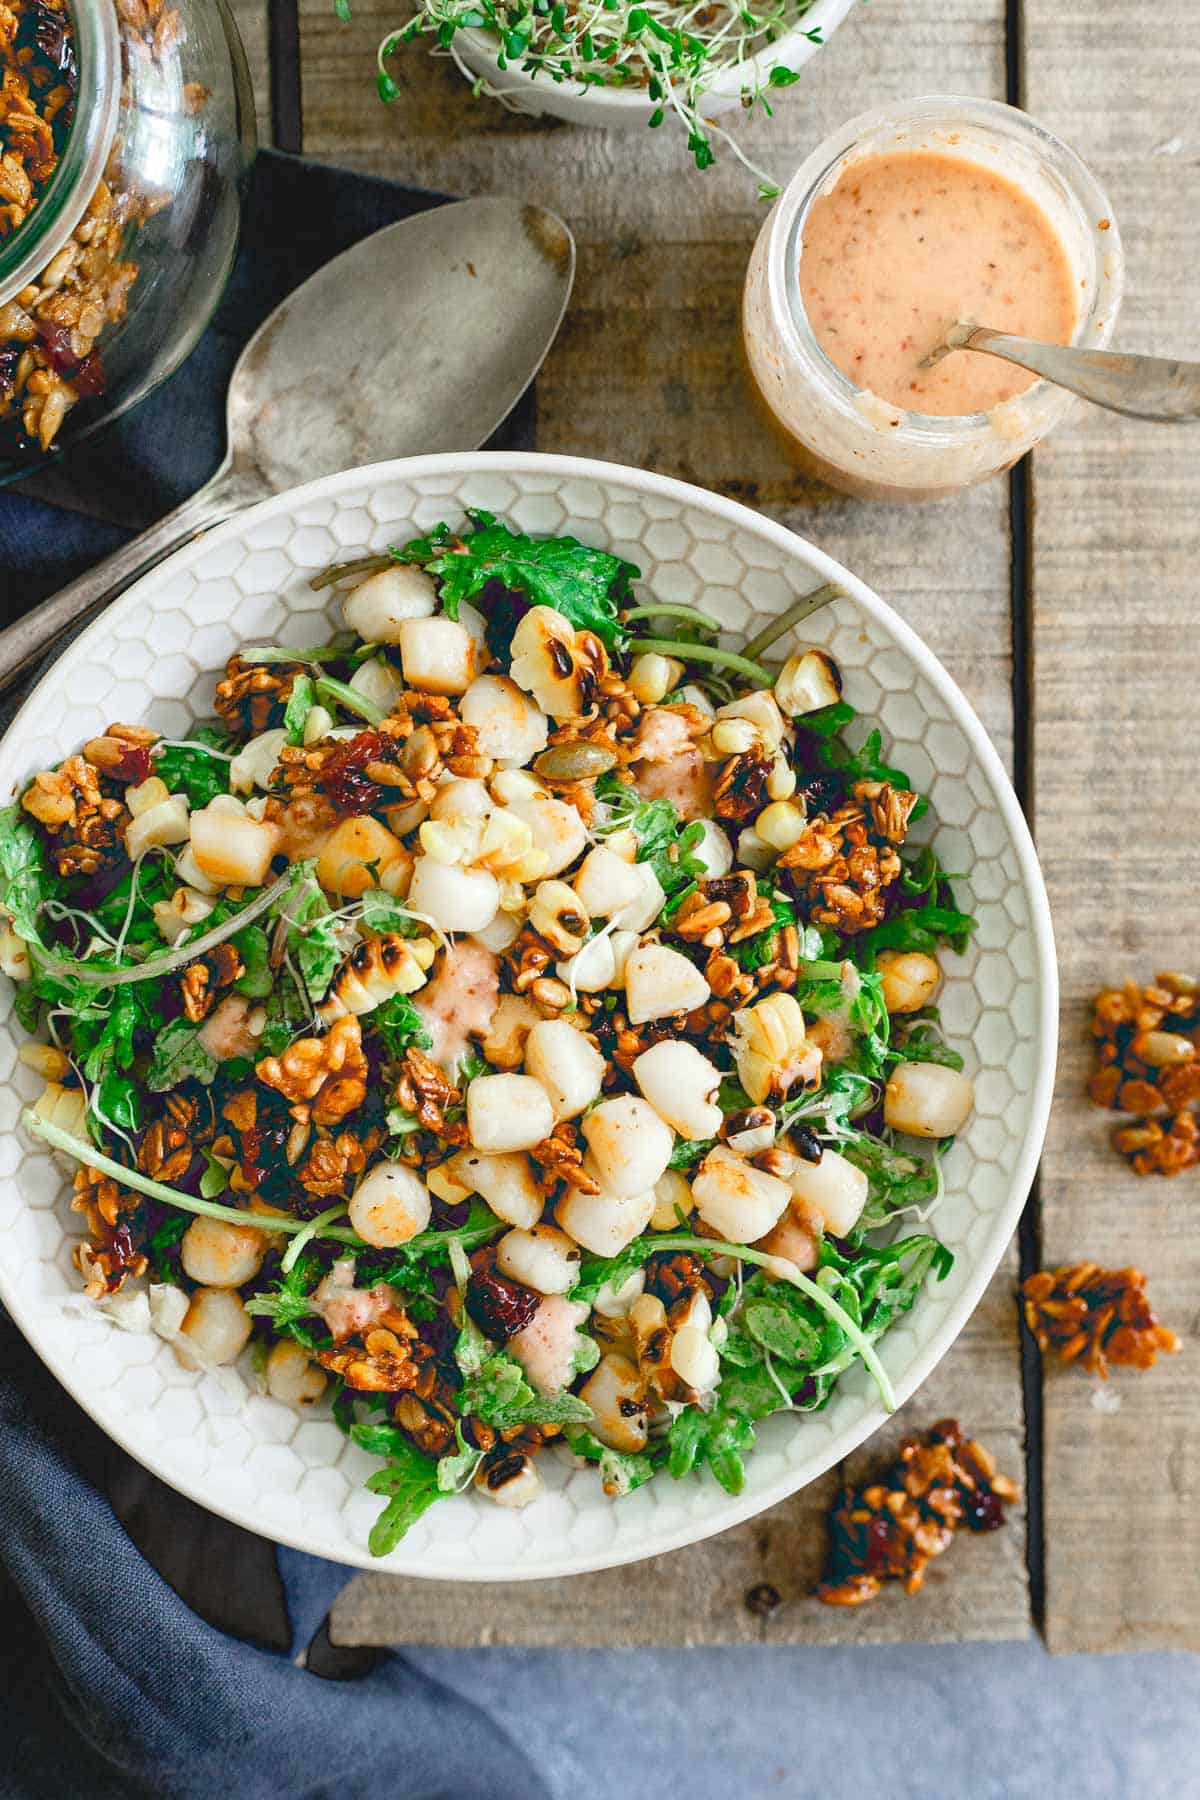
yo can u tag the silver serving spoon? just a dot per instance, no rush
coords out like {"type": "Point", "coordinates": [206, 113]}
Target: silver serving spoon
{"type": "Point", "coordinates": [421, 338]}
{"type": "Point", "coordinates": [1144, 387]}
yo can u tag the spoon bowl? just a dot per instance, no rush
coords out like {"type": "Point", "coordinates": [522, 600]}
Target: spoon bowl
{"type": "Point", "coordinates": [421, 338]}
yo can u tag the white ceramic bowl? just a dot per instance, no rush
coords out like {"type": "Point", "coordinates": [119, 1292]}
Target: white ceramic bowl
{"type": "Point", "coordinates": [153, 658]}
{"type": "Point", "coordinates": [620, 108]}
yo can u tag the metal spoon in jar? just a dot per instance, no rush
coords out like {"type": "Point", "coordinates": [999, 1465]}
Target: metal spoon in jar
{"type": "Point", "coordinates": [1144, 387]}
{"type": "Point", "coordinates": [421, 338]}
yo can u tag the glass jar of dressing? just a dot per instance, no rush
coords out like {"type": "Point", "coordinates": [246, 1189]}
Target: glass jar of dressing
{"type": "Point", "coordinates": [905, 221]}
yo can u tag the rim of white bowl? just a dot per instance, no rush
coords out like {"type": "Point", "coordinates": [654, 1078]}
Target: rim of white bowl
{"type": "Point", "coordinates": [518, 463]}
{"type": "Point", "coordinates": [792, 50]}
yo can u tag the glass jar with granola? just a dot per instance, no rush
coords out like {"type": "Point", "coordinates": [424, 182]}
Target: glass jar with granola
{"type": "Point", "coordinates": [125, 130]}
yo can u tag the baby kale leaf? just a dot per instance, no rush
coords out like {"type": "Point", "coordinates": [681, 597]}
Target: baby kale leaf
{"type": "Point", "coordinates": [587, 586]}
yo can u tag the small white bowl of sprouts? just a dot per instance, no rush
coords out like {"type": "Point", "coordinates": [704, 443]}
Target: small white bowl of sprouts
{"type": "Point", "coordinates": [619, 63]}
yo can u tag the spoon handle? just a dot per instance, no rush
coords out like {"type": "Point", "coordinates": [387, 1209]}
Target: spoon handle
{"type": "Point", "coordinates": [22, 644]}
{"type": "Point", "coordinates": [1144, 387]}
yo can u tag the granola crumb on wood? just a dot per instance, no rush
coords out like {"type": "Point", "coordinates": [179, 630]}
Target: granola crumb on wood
{"type": "Point", "coordinates": [891, 1527]}
{"type": "Point", "coordinates": [1095, 1317]}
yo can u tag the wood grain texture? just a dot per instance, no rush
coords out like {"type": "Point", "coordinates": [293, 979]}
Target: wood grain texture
{"type": "Point", "coordinates": [251, 17]}
{"type": "Point", "coordinates": [1115, 552]}
{"type": "Point", "coordinates": [646, 370]}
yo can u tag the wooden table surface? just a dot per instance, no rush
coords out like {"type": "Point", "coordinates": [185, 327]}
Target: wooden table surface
{"type": "Point", "coordinates": [1058, 599]}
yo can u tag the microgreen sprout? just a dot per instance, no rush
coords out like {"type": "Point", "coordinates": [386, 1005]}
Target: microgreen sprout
{"type": "Point", "coordinates": [672, 50]}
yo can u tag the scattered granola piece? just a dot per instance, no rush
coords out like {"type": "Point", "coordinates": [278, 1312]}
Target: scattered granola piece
{"type": "Point", "coordinates": [1095, 1316]}
{"type": "Point", "coordinates": [1146, 1046]}
{"type": "Point", "coordinates": [890, 1528]}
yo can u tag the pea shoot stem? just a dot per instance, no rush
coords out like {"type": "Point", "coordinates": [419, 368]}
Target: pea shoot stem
{"type": "Point", "coordinates": [707, 653]}
{"type": "Point", "coordinates": [349, 699]}
{"type": "Point", "coordinates": [82, 1152]}
{"type": "Point", "coordinates": [669, 610]}
{"type": "Point", "coordinates": [802, 609]}
{"type": "Point", "coordinates": [785, 1270]}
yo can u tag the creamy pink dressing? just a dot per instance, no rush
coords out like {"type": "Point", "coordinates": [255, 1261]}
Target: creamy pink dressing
{"type": "Point", "coordinates": [460, 1002]}
{"type": "Point", "coordinates": [907, 243]}
{"type": "Point", "coordinates": [669, 767]}
{"type": "Point", "coordinates": [346, 1308]}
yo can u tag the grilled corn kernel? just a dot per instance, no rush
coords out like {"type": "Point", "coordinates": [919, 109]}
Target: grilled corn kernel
{"type": "Point", "coordinates": [557, 914]}
{"type": "Point", "coordinates": [781, 782]}
{"type": "Point", "coordinates": [652, 676]}
{"type": "Point", "coordinates": [734, 737]}
{"type": "Point", "coordinates": [781, 824]}
{"type": "Point", "coordinates": [770, 1048]}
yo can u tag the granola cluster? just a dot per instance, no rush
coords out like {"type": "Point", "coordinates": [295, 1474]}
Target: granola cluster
{"type": "Point", "coordinates": [83, 817]}
{"type": "Point", "coordinates": [1147, 1042]}
{"type": "Point", "coordinates": [845, 865]}
{"type": "Point", "coordinates": [891, 1528]}
{"type": "Point", "coordinates": [50, 358]}
{"type": "Point", "coordinates": [1095, 1317]}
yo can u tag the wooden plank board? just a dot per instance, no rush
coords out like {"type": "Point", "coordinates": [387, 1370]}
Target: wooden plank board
{"type": "Point", "coordinates": [251, 17]}
{"type": "Point", "coordinates": [646, 371]}
{"type": "Point", "coordinates": [1116, 549]}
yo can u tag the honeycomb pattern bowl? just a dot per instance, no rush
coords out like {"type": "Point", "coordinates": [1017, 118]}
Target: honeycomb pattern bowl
{"type": "Point", "coordinates": [153, 658]}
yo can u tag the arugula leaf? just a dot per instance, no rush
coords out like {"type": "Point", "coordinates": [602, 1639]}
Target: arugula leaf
{"type": "Point", "coordinates": [915, 928]}
{"type": "Point", "coordinates": [586, 586]}
{"type": "Point", "coordinates": [381, 911]}
{"type": "Point", "coordinates": [193, 771]}
{"type": "Point", "coordinates": [719, 1439]}
{"type": "Point", "coordinates": [397, 1024]}
{"type": "Point", "coordinates": [301, 701]}
{"type": "Point", "coordinates": [23, 866]}
{"type": "Point", "coordinates": [457, 1467]}
{"type": "Point", "coordinates": [409, 1483]}
{"type": "Point", "coordinates": [498, 1393]}
{"type": "Point", "coordinates": [922, 1041]}
{"type": "Point", "coordinates": [776, 1326]}
{"type": "Point", "coordinates": [288, 1304]}
{"type": "Point", "coordinates": [896, 1179]}
{"type": "Point", "coordinates": [215, 1178]}
{"type": "Point", "coordinates": [313, 940]}
{"type": "Point", "coordinates": [621, 1471]}
{"type": "Point", "coordinates": [254, 948]}
{"type": "Point", "coordinates": [688, 1151]}
{"type": "Point", "coordinates": [166, 1238]}
{"type": "Point", "coordinates": [664, 840]}
{"type": "Point", "coordinates": [180, 1056]}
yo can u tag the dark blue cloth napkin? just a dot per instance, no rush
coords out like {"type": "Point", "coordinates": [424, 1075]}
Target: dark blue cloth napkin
{"type": "Point", "coordinates": [150, 1648]}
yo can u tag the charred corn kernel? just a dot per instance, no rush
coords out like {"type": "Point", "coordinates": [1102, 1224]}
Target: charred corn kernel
{"type": "Point", "coordinates": [14, 954]}
{"type": "Point", "coordinates": [694, 1359]}
{"type": "Point", "coordinates": [511, 1480]}
{"type": "Point", "coordinates": [734, 737]}
{"type": "Point", "coordinates": [445, 1186]}
{"type": "Point", "coordinates": [808, 681]}
{"type": "Point", "coordinates": [253, 766]}
{"type": "Point", "coordinates": [148, 793]}
{"type": "Point", "coordinates": [166, 822]}
{"type": "Point", "coordinates": [375, 971]}
{"type": "Point", "coordinates": [318, 723]}
{"type": "Point", "coordinates": [769, 1046]}
{"type": "Point", "coordinates": [507, 844]}
{"type": "Point", "coordinates": [761, 712]}
{"type": "Point", "coordinates": [184, 909]}
{"type": "Point", "coordinates": [46, 1060]}
{"type": "Point", "coordinates": [781, 824]}
{"type": "Point", "coordinates": [651, 676]}
{"type": "Point", "coordinates": [508, 786]}
{"type": "Point", "coordinates": [557, 914]}
{"type": "Point", "coordinates": [63, 1106]}
{"type": "Point", "coordinates": [616, 1394]}
{"type": "Point", "coordinates": [447, 843]}
{"type": "Point", "coordinates": [781, 782]}
{"type": "Point", "coordinates": [672, 1197]}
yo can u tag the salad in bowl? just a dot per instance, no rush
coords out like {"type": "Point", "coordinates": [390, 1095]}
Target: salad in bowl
{"type": "Point", "coordinates": [512, 1023]}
